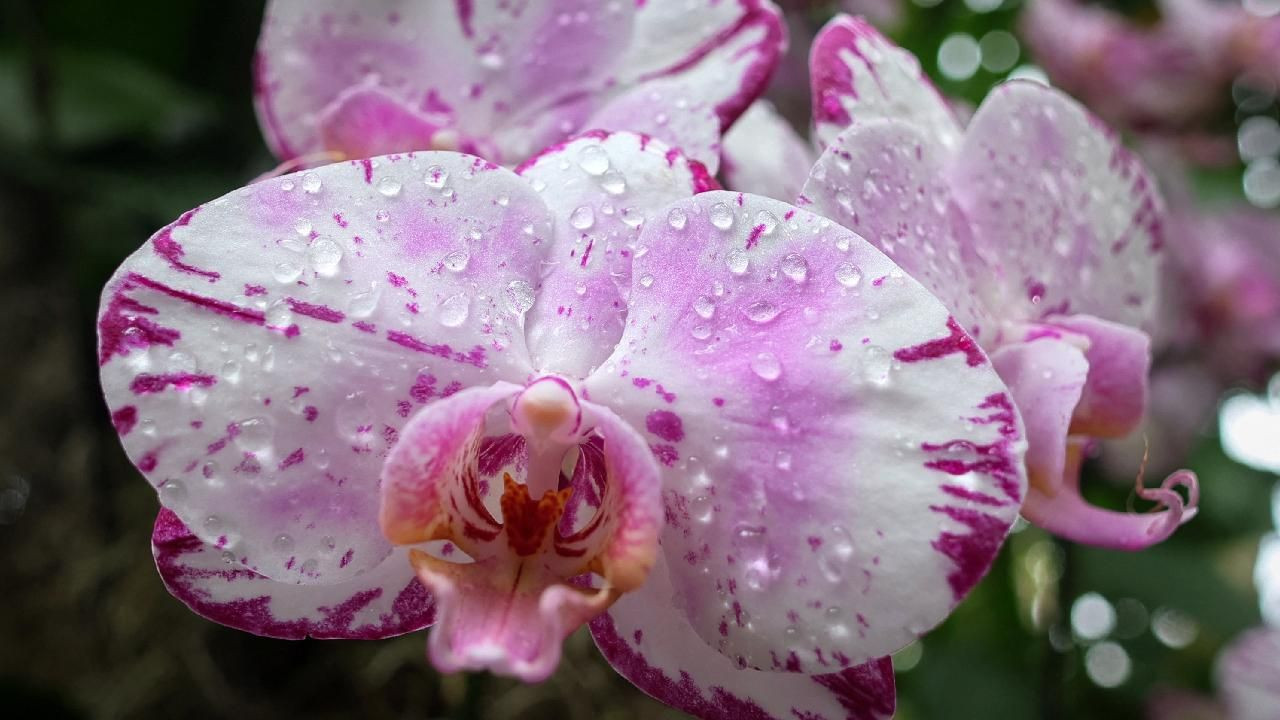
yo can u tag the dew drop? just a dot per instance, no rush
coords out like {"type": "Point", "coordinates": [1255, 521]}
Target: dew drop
{"type": "Point", "coordinates": [583, 217]}
{"type": "Point", "coordinates": [721, 216]}
{"type": "Point", "coordinates": [836, 553]}
{"type": "Point", "coordinates": [782, 460]}
{"type": "Point", "coordinates": [613, 182]}
{"type": "Point", "coordinates": [362, 304]}
{"type": "Point", "coordinates": [704, 307]}
{"type": "Point", "coordinates": [310, 567]}
{"type": "Point", "coordinates": [767, 220]}
{"type": "Point", "coordinates": [876, 364]}
{"type": "Point", "coordinates": [354, 420]}
{"type": "Point", "coordinates": [519, 295]}
{"type": "Point", "coordinates": [172, 492]}
{"type": "Point", "coordinates": [766, 366]}
{"type": "Point", "coordinates": [701, 331]}
{"type": "Point", "coordinates": [593, 160]}
{"type": "Point", "coordinates": [646, 280]}
{"type": "Point", "coordinates": [677, 218]}
{"type": "Point", "coordinates": [302, 226]}
{"type": "Point", "coordinates": [436, 177]}
{"type": "Point", "coordinates": [456, 261]}
{"type": "Point", "coordinates": [325, 255]}
{"type": "Point", "coordinates": [737, 261]}
{"type": "Point", "coordinates": [282, 544]}
{"type": "Point", "coordinates": [454, 310]}
{"type": "Point", "coordinates": [311, 184]}
{"type": "Point", "coordinates": [795, 267]}
{"type": "Point", "coordinates": [254, 434]}
{"type": "Point", "coordinates": [848, 274]}
{"type": "Point", "coordinates": [389, 187]}
{"type": "Point", "coordinates": [279, 314]}
{"type": "Point", "coordinates": [701, 509]}
{"type": "Point", "coordinates": [761, 311]}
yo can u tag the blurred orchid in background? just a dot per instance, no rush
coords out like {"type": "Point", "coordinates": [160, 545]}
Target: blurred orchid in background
{"type": "Point", "coordinates": [1035, 226]}
{"type": "Point", "coordinates": [346, 80]}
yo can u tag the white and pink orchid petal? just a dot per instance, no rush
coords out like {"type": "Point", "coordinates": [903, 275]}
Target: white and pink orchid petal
{"type": "Point", "coordinates": [1248, 675]}
{"type": "Point", "coordinates": [480, 66]}
{"type": "Point", "coordinates": [366, 121]}
{"type": "Point", "coordinates": [385, 601]}
{"type": "Point", "coordinates": [764, 155]}
{"type": "Point", "coordinates": [858, 75]}
{"type": "Point", "coordinates": [261, 353]}
{"type": "Point", "coordinates": [671, 110]}
{"type": "Point", "coordinates": [722, 52]}
{"type": "Point", "coordinates": [841, 461]}
{"type": "Point", "coordinates": [510, 608]}
{"type": "Point", "coordinates": [602, 188]}
{"type": "Point", "coordinates": [884, 179]}
{"type": "Point", "coordinates": [1047, 378]}
{"type": "Point", "coordinates": [1114, 396]}
{"type": "Point", "coordinates": [1036, 166]}
{"type": "Point", "coordinates": [649, 642]}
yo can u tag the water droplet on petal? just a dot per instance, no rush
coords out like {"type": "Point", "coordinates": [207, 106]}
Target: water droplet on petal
{"type": "Point", "coordinates": [795, 267]}
{"type": "Point", "coordinates": [704, 307]}
{"type": "Point", "coordinates": [766, 366]}
{"type": "Point", "coordinates": [721, 216]}
{"type": "Point", "coordinates": [436, 177]}
{"type": "Point", "coordinates": [848, 274]}
{"type": "Point", "coordinates": [519, 296]}
{"type": "Point", "coordinates": [737, 261]}
{"type": "Point", "coordinates": [761, 311]}
{"type": "Point", "coordinates": [325, 255]}
{"type": "Point", "coordinates": [677, 218]}
{"type": "Point", "coordinates": [456, 261]}
{"type": "Point", "coordinates": [302, 226]}
{"type": "Point", "coordinates": [613, 182]}
{"type": "Point", "coordinates": [282, 544]}
{"type": "Point", "coordinates": [311, 183]}
{"type": "Point", "coordinates": [389, 187]}
{"type": "Point", "coordinates": [646, 280]}
{"type": "Point", "coordinates": [767, 220]}
{"type": "Point", "coordinates": [254, 434]}
{"type": "Point", "coordinates": [876, 364]}
{"type": "Point", "coordinates": [454, 310]}
{"type": "Point", "coordinates": [593, 160]}
{"type": "Point", "coordinates": [583, 217]}
{"type": "Point", "coordinates": [837, 551]}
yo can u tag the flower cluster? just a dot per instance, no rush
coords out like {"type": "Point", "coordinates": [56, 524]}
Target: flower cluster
{"type": "Point", "coordinates": [512, 362]}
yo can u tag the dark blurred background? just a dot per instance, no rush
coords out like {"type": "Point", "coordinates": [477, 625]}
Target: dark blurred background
{"type": "Point", "coordinates": [115, 118]}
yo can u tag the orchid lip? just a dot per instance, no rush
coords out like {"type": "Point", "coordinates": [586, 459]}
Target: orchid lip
{"type": "Point", "coordinates": [509, 608]}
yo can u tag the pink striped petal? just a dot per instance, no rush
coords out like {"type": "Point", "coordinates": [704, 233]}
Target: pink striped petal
{"type": "Point", "coordinates": [602, 188]}
{"type": "Point", "coordinates": [764, 155]}
{"type": "Point", "coordinates": [885, 179]}
{"type": "Point", "coordinates": [482, 66]}
{"type": "Point", "coordinates": [858, 75]}
{"type": "Point", "coordinates": [1248, 675]}
{"type": "Point", "coordinates": [841, 462]}
{"type": "Point", "coordinates": [722, 51]}
{"type": "Point", "coordinates": [267, 347]}
{"type": "Point", "coordinates": [383, 602]}
{"type": "Point", "coordinates": [672, 110]}
{"type": "Point", "coordinates": [1073, 216]}
{"type": "Point", "coordinates": [649, 642]}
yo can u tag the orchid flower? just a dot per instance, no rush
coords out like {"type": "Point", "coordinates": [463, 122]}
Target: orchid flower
{"type": "Point", "coordinates": [339, 79]}
{"type": "Point", "coordinates": [1033, 224]}
{"type": "Point", "coordinates": [1173, 75]}
{"type": "Point", "coordinates": [426, 389]}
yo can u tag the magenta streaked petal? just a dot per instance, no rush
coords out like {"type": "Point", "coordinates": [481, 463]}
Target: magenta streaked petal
{"type": "Point", "coordinates": [723, 52]}
{"type": "Point", "coordinates": [858, 75]}
{"type": "Point", "coordinates": [273, 342]}
{"type": "Point", "coordinates": [672, 110]}
{"type": "Point", "coordinates": [764, 155]}
{"type": "Point", "coordinates": [1035, 166]}
{"type": "Point", "coordinates": [1248, 675]}
{"type": "Point", "coordinates": [839, 457]}
{"type": "Point", "coordinates": [385, 601]}
{"type": "Point", "coordinates": [1114, 397]}
{"type": "Point", "coordinates": [885, 180]}
{"type": "Point", "coordinates": [650, 643]}
{"type": "Point", "coordinates": [483, 65]}
{"type": "Point", "coordinates": [602, 188]}
{"type": "Point", "coordinates": [1047, 377]}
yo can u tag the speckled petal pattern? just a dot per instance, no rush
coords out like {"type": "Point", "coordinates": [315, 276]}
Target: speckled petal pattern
{"type": "Point", "coordinates": [649, 643]}
{"type": "Point", "coordinates": [601, 188]}
{"type": "Point", "coordinates": [1035, 166]}
{"type": "Point", "coordinates": [841, 462]}
{"type": "Point", "coordinates": [261, 353]}
{"type": "Point", "coordinates": [858, 75]}
{"type": "Point", "coordinates": [383, 602]}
